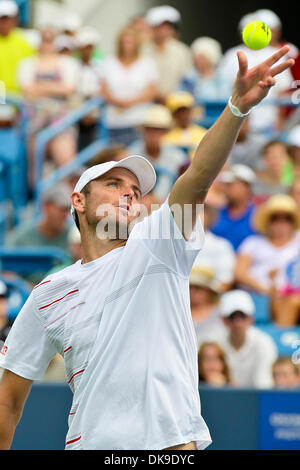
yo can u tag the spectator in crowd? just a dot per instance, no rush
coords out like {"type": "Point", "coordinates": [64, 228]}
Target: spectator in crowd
{"type": "Point", "coordinates": [185, 133]}
{"type": "Point", "coordinates": [74, 249]}
{"type": "Point", "coordinates": [65, 45]}
{"type": "Point", "coordinates": [250, 352]}
{"type": "Point", "coordinates": [172, 56]}
{"type": "Point", "coordinates": [13, 46]}
{"type": "Point", "coordinates": [49, 82]}
{"type": "Point", "coordinates": [204, 295]}
{"type": "Point", "coordinates": [217, 252]}
{"type": "Point", "coordinates": [285, 302]}
{"type": "Point", "coordinates": [248, 147]}
{"type": "Point", "coordinates": [89, 82]}
{"type": "Point", "coordinates": [129, 85]}
{"type": "Point", "coordinates": [234, 221]}
{"type": "Point", "coordinates": [144, 30]}
{"type": "Point", "coordinates": [276, 174]}
{"type": "Point", "coordinates": [212, 365]}
{"type": "Point", "coordinates": [285, 374]}
{"type": "Point", "coordinates": [156, 124]}
{"type": "Point", "coordinates": [276, 244]}
{"type": "Point", "coordinates": [293, 140]}
{"type": "Point", "coordinates": [53, 228]}
{"type": "Point", "coordinates": [264, 117]}
{"type": "Point", "coordinates": [204, 81]}
{"type": "Point", "coordinates": [295, 191]}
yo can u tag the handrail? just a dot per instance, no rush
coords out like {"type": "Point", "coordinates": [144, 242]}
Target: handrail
{"type": "Point", "coordinates": [44, 136]}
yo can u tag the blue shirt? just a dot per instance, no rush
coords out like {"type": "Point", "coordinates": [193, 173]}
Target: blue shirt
{"type": "Point", "coordinates": [234, 230]}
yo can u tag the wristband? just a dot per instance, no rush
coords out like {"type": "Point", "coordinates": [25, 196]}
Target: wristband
{"type": "Point", "coordinates": [235, 110]}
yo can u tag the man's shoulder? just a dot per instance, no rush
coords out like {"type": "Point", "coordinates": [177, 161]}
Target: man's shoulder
{"type": "Point", "coordinates": [26, 232]}
{"type": "Point", "coordinates": [260, 339]}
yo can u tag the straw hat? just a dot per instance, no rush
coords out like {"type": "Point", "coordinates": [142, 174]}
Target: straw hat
{"type": "Point", "coordinates": [158, 116]}
{"type": "Point", "coordinates": [275, 204]}
{"type": "Point", "coordinates": [204, 276]}
{"type": "Point", "coordinates": [180, 99]}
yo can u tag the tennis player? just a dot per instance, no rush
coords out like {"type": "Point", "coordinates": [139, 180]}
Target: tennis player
{"type": "Point", "coordinates": [121, 315]}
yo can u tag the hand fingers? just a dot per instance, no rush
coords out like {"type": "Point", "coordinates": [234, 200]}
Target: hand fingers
{"type": "Point", "coordinates": [243, 62]}
{"type": "Point", "coordinates": [268, 83]}
{"type": "Point", "coordinates": [281, 67]}
{"type": "Point", "coordinates": [275, 57]}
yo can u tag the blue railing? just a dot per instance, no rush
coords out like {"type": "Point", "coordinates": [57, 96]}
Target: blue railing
{"type": "Point", "coordinates": [44, 136]}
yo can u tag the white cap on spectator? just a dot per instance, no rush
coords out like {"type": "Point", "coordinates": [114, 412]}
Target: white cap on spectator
{"type": "Point", "coordinates": [63, 41]}
{"type": "Point", "coordinates": [208, 47]}
{"type": "Point", "coordinates": [87, 36]}
{"type": "Point", "coordinates": [8, 8]}
{"type": "Point", "coordinates": [158, 116]}
{"type": "Point", "coordinates": [238, 172]}
{"type": "Point", "coordinates": [138, 165]}
{"type": "Point", "coordinates": [59, 194]}
{"type": "Point", "coordinates": [293, 137]}
{"type": "Point", "coordinates": [236, 301]}
{"type": "Point", "coordinates": [158, 15]}
{"type": "Point", "coordinates": [268, 17]}
{"type": "Point", "coordinates": [246, 19]}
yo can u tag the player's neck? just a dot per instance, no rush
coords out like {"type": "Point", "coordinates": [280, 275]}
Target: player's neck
{"type": "Point", "coordinates": [93, 247]}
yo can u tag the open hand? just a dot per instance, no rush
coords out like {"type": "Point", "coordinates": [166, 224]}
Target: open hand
{"type": "Point", "coordinates": [252, 85]}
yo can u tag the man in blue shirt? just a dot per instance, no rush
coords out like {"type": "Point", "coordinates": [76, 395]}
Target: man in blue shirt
{"type": "Point", "coordinates": [234, 221]}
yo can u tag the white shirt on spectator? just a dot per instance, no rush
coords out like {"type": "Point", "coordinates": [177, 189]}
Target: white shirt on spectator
{"type": "Point", "coordinates": [68, 69]}
{"type": "Point", "coordinates": [123, 324]}
{"type": "Point", "coordinates": [267, 257]}
{"type": "Point", "coordinates": [251, 365]}
{"type": "Point", "coordinates": [217, 253]}
{"type": "Point", "coordinates": [128, 82]}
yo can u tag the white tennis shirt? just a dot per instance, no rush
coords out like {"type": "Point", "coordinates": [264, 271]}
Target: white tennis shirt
{"type": "Point", "coordinates": [124, 326]}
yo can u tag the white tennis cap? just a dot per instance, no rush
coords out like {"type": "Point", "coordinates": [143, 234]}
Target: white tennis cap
{"type": "Point", "coordinates": [236, 301]}
{"type": "Point", "coordinates": [158, 15]}
{"type": "Point", "coordinates": [268, 17]}
{"type": "Point", "coordinates": [238, 172]}
{"type": "Point", "coordinates": [138, 165]}
{"type": "Point", "coordinates": [8, 8]}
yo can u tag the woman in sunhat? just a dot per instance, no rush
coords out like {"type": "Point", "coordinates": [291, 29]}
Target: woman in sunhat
{"type": "Point", "coordinates": [278, 221]}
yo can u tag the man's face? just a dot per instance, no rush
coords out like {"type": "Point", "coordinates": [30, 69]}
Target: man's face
{"type": "Point", "coordinates": [7, 23]}
{"type": "Point", "coordinates": [113, 198]}
{"type": "Point", "coordinates": [153, 136]}
{"type": "Point", "coordinates": [55, 216]}
{"type": "Point", "coordinates": [237, 190]}
{"type": "Point", "coordinates": [238, 323]}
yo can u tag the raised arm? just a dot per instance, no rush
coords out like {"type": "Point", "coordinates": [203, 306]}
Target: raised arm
{"type": "Point", "coordinates": [251, 86]}
{"type": "Point", "coordinates": [14, 391]}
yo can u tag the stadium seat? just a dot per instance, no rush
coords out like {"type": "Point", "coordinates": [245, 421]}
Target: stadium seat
{"type": "Point", "coordinates": [262, 308]}
{"type": "Point", "coordinates": [287, 339]}
{"type": "Point", "coordinates": [30, 260]}
{"type": "Point", "coordinates": [212, 110]}
{"type": "Point", "coordinates": [13, 174]}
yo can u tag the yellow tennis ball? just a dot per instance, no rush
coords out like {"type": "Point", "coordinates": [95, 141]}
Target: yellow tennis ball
{"type": "Point", "coordinates": [257, 35]}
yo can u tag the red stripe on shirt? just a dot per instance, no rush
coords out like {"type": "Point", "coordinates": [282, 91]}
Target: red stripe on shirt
{"type": "Point", "coordinates": [57, 300]}
{"type": "Point", "coordinates": [68, 349]}
{"type": "Point", "coordinates": [76, 373]}
{"type": "Point", "coordinates": [73, 440]}
{"type": "Point", "coordinates": [45, 282]}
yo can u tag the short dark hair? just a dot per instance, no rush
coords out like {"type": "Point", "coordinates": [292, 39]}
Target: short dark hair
{"type": "Point", "coordinates": [85, 190]}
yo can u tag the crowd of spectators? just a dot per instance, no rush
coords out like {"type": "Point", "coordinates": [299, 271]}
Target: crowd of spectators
{"type": "Point", "coordinates": [154, 87]}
